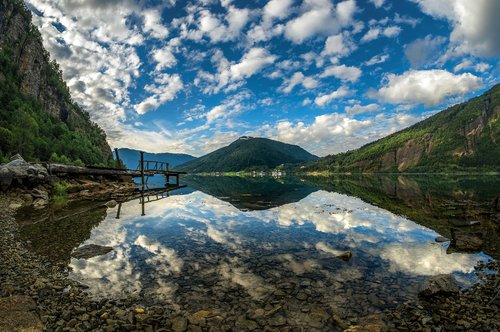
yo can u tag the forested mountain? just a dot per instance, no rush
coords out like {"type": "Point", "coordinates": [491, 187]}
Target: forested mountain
{"type": "Point", "coordinates": [246, 154]}
{"type": "Point", "coordinates": [131, 157]}
{"type": "Point", "coordinates": [38, 118]}
{"type": "Point", "coordinates": [464, 137]}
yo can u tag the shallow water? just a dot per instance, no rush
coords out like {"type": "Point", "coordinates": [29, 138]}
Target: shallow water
{"type": "Point", "coordinates": [237, 245]}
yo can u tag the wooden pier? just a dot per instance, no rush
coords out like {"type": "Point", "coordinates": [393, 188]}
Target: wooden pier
{"type": "Point", "coordinates": [145, 169]}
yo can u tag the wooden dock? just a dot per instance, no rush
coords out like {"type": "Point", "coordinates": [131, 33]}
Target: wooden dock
{"type": "Point", "coordinates": [145, 169]}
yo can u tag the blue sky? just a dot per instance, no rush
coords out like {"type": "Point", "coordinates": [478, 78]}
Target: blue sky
{"type": "Point", "coordinates": [193, 76]}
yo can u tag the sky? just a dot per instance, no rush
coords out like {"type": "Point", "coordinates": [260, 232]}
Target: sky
{"type": "Point", "coordinates": [193, 76]}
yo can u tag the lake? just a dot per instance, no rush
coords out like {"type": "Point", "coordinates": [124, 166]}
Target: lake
{"type": "Point", "coordinates": [351, 245]}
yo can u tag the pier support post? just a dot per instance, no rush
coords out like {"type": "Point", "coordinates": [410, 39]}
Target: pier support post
{"type": "Point", "coordinates": [142, 170]}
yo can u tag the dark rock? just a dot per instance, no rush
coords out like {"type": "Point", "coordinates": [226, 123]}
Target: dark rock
{"type": "Point", "coordinates": [90, 250]}
{"type": "Point", "coordinates": [440, 284]}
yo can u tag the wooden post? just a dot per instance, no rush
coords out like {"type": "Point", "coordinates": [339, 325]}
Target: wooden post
{"type": "Point", "coordinates": [118, 161]}
{"type": "Point", "coordinates": [142, 169]}
{"type": "Point", "coordinates": [118, 212]}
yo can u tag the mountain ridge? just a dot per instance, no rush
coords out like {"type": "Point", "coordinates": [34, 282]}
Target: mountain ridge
{"type": "Point", "coordinates": [465, 136]}
{"type": "Point", "coordinates": [246, 154]}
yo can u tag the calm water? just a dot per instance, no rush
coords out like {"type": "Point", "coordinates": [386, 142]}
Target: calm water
{"type": "Point", "coordinates": [235, 245]}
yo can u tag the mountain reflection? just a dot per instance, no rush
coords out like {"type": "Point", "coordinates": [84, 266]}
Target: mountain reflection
{"type": "Point", "coordinates": [196, 248]}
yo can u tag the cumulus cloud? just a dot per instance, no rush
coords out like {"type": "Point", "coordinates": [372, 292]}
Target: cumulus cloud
{"type": "Point", "coordinates": [324, 99]}
{"type": "Point", "coordinates": [342, 72]}
{"type": "Point", "coordinates": [358, 108]}
{"type": "Point", "coordinates": [165, 89]}
{"type": "Point", "coordinates": [230, 76]}
{"type": "Point", "coordinates": [377, 32]}
{"type": "Point", "coordinates": [320, 17]}
{"type": "Point", "coordinates": [424, 51]}
{"type": "Point", "coordinates": [378, 3]}
{"type": "Point", "coordinates": [429, 87]}
{"type": "Point", "coordinates": [274, 10]}
{"type": "Point", "coordinates": [338, 45]}
{"type": "Point", "coordinates": [475, 24]}
{"type": "Point", "coordinates": [217, 30]}
{"type": "Point", "coordinates": [376, 59]}
{"type": "Point", "coordinates": [298, 79]}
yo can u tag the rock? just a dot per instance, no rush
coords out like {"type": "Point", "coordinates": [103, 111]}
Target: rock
{"type": "Point", "coordinates": [243, 324]}
{"type": "Point", "coordinates": [111, 204]}
{"type": "Point", "coordinates": [17, 314]}
{"type": "Point", "coordinates": [345, 256]}
{"type": "Point", "coordinates": [17, 156]}
{"type": "Point", "coordinates": [90, 250]}
{"type": "Point", "coordinates": [15, 206]}
{"type": "Point", "coordinates": [39, 203]}
{"type": "Point", "coordinates": [277, 320]}
{"type": "Point", "coordinates": [20, 170]}
{"type": "Point", "coordinates": [40, 193]}
{"type": "Point", "coordinates": [466, 241]}
{"type": "Point", "coordinates": [198, 317]}
{"type": "Point", "coordinates": [440, 284]}
{"type": "Point", "coordinates": [179, 324]}
{"type": "Point", "coordinates": [139, 310]}
{"type": "Point", "coordinates": [440, 239]}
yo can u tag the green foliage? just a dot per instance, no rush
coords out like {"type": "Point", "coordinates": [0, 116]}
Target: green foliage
{"type": "Point", "coordinates": [465, 137]}
{"type": "Point", "coordinates": [30, 130]}
{"type": "Point", "coordinates": [59, 192]}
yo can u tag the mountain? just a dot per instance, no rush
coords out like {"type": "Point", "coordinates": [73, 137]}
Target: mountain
{"type": "Point", "coordinates": [464, 137]}
{"type": "Point", "coordinates": [248, 153]}
{"type": "Point", "coordinates": [38, 118]}
{"type": "Point", "coordinates": [131, 158]}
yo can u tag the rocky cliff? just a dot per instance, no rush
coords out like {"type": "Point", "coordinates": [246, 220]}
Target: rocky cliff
{"type": "Point", "coordinates": [33, 83]}
{"type": "Point", "coordinates": [463, 137]}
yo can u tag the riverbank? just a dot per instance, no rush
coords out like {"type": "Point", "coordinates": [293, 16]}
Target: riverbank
{"type": "Point", "coordinates": [45, 299]}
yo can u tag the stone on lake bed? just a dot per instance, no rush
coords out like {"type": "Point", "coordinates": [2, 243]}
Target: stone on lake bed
{"type": "Point", "coordinates": [90, 250]}
{"type": "Point", "coordinates": [466, 241]}
{"type": "Point", "coordinates": [439, 284]}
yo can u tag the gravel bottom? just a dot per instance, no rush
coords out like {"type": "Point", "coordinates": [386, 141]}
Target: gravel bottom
{"type": "Point", "coordinates": [37, 294]}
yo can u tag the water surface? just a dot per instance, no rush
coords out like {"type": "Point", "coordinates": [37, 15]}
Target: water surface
{"type": "Point", "coordinates": [237, 245]}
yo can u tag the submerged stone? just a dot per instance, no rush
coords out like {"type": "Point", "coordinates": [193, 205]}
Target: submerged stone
{"type": "Point", "coordinates": [90, 250]}
{"type": "Point", "coordinates": [440, 284]}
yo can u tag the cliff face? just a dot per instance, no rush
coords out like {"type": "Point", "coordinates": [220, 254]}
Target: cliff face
{"type": "Point", "coordinates": [27, 66]}
{"type": "Point", "coordinates": [465, 136]}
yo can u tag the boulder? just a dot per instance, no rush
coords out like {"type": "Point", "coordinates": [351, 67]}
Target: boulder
{"type": "Point", "coordinates": [441, 239]}
{"type": "Point", "coordinates": [22, 171]}
{"type": "Point", "coordinates": [90, 250]}
{"type": "Point", "coordinates": [439, 284]}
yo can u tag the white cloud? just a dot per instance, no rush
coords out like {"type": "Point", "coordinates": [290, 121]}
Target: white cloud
{"type": "Point", "coordinates": [320, 17]}
{"type": "Point", "coordinates": [357, 108]}
{"type": "Point", "coordinates": [153, 25]}
{"type": "Point", "coordinates": [339, 44]}
{"type": "Point", "coordinates": [376, 32]}
{"type": "Point", "coordinates": [475, 23]}
{"type": "Point", "coordinates": [424, 51]}
{"type": "Point", "coordinates": [165, 89]}
{"type": "Point", "coordinates": [298, 79]}
{"type": "Point", "coordinates": [218, 31]}
{"type": "Point", "coordinates": [231, 76]}
{"type": "Point", "coordinates": [429, 87]}
{"type": "Point", "coordinates": [324, 99]}
{"type": "Point", "coordinates": [342, 72]}
{"type": "Point", "coordinates": [377, 3]}
{"type": "Point", "coordinates": [376, 59]}
{"type": "Point", "coordinates": [277, 9]}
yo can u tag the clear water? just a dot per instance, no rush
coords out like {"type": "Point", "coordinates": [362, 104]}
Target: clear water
{"type": "Point", "coordinates": [236, 245]}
